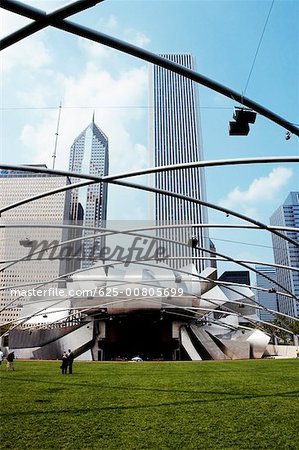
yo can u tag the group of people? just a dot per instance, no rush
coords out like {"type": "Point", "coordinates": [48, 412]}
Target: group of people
{"type": "Point", "coordinates": [9, 360]}
{"type": "Point", "coordinates": [67, 362]}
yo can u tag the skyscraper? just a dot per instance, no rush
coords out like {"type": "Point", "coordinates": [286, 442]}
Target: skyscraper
{"type": "Point", "coordinates": [28, 228]}
{"type": "Point", "coordinates": [286, 253]}
{"type": "Point", "coordinates": [175, 138]}
{"type": "Point", "coordinates": [89, 155]}
{"type": "Point", "coordinates": [266, 297]}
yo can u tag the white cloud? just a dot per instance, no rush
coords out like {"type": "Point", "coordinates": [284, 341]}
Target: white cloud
{"type": "Point", "coordinates": [111, 24]}
{"type": "Point", "coordinates": [29, 54]}
{"type": "Point", "coordinates": [136, 37]}
{"type": "Point", "coordinates": [260, 190]}
{"type": "Point", "coordinates": [95, 79]}
{"type": "Point", "coordinates": [11, 22]}
{"type": "Point", "coordinates": [39, 97]}
{"type": "Point", "coordinates": [115, 101]}
{"type": "Point", "coordinates": [93, 49]}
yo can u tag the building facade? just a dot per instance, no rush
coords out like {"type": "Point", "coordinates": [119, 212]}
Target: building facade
{"type": "Point", "coordinates": [267, 296]}
{"type": "Point", "coordinates": [287, 254]}
{"type": "Point", "coordinates": [89, 155]}
{"type": "Point", "coordinates": [31, 228]}
{"type": "Point", "coordinates": [155, 327]}
{"type": "Point", "coordinates": [175, 138]}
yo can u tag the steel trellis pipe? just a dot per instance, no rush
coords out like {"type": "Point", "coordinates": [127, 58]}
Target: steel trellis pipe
{"type": "Point", "coordinates": [228, 284]}
{"type": "Point", "coordinates": [200, 248]}
{"type": "Point", "coordinates": [211, 252]}
{"type": "Point", "coordinates": [156, 227]}
{"type": "Point", "coordinates": [43, 20]}
{"type": "Point", "coordinates": [234, 302]}
{"type": "Point", "coordinates": [115, 180]}
{"type": "Point", "coordinates": [130, 231]}
{"type": "Point", "coordinates": [188, 309]}
{"type": "Point", "coordinates": [170, 258]}
{"type": "Point", "coordinates": [150, 57]}
{"type": "Point", "coordinates": [227, 309]}
{"type": "Point", "coordinates": [209, 205]}
{"type": "Point", "coordinates": [152, 170]}
{"type": "Point", "coordinates": [180, 271]}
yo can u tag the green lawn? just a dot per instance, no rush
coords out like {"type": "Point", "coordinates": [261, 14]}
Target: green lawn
{"type": "Point", "coordinates": [206, 405]}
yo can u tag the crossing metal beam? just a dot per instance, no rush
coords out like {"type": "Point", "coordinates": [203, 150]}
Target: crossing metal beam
{"type": "Point", "coordinates": [145, 55]}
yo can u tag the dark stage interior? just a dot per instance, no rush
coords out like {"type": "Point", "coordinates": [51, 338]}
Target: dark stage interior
{"type": "Point", "coordinates": [148, 335]}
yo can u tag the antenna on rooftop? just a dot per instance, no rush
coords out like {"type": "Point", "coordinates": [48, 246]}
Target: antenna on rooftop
{"type": "Point", "coordinates": [56, 135]}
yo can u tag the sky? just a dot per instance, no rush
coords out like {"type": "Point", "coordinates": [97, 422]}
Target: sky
{"type": "Point", "coordinates": [52, 66]}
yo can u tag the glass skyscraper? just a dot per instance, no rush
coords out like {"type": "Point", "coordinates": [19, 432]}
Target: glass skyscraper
{"type": "Point", "coordinates": [175, 138]}
{"type": "Point", "coordinates": [89, 155]}
{"type": "Point", "coordinates": [267, 295]}
{"type": "Point", "coordinates": [285, 253]}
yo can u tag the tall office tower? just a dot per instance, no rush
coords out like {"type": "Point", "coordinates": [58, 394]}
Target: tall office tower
{"type": "Point", "coordinates": [30, 228]}
{"type": "Point", "coordinates": [267, 297]}
{"type": "Point", "coordinates": [287, 254]}
{"type": "Point", "coordinates": [89, 155]}
{"type": "Point", "coordinates": [213, 262]}
{"type": "Point", "coordinates": [175, 138]}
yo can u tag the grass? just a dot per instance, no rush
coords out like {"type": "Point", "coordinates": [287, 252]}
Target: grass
{"type": "Point", "coordinates": [206, 405]}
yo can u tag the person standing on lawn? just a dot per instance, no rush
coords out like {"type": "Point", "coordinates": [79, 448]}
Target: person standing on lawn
{"type": "Point", "coordinates": [1, 356]}
{"type": "Point", "coordinates": [64, 363]}
{"type": "Point", "coordinates": [71, 358]}
{"type": "Point", "coordinates": [10, 359]}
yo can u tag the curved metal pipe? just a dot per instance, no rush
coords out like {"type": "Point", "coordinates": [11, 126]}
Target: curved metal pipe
{"type": "Point", "coordinates": [154, 227]}
{"type": "Point", "coordinates": [225, 284]}
{"type": "Point", "coordinates": [178, 258]}
{"type": "Point", "coordinates": [113, 180]}
{"type": "Point", "coordinates": [227, 309]}
{"type": "Point", "coordinates": [208, 205]}
{"type": "Point", "coordinates": [165, 304]}
{"type": "Point", "coordinates": [145, 55]}
{"type": "Point", "coordinates": [163, 239]}
{"type": "Point", "coordinates": [152, 170]}
{"type": "Point", "coordinates": [43, 20]}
